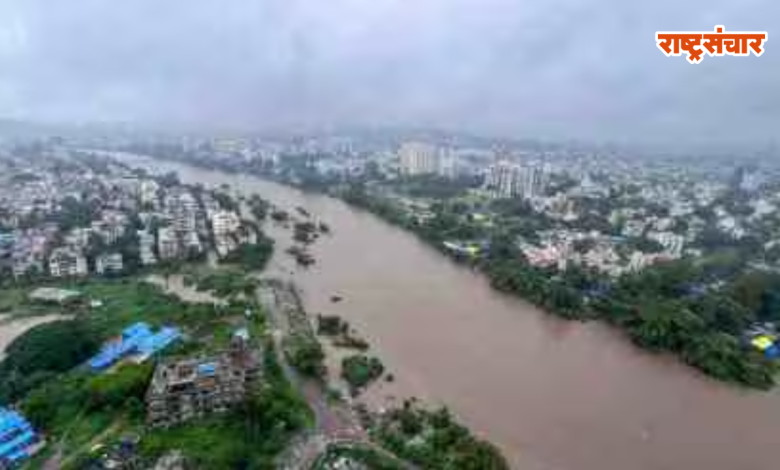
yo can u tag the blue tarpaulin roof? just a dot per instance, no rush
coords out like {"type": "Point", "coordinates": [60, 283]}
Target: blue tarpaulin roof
{"type": "Point", "coordinates": [135, 330]}
{"type": "Point", "coordinates": [135, 338]}
{"type": "Point", "coordinates": [20, 454]}
{"type": "Point", "coordinates": [16, 434]}
{"type": "Point", "coordinates": [158, 341]}
{"type": "Point", "coordinates": [11, 422]}
{"type": "Point", "coordinates": [22, 440]}
{"type": "Point", "coordinates": [208, 369]}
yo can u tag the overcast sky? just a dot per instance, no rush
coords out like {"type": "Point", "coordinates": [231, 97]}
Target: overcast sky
{"type": "Point", "coordinates": [550, 69]}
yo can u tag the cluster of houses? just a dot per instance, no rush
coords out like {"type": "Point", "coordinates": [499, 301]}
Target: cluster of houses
{"type": "Point", "coordinates": [117, 214]}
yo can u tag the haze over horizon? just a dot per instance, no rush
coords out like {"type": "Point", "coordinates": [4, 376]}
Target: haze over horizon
{"type": "Point", "coordinates": [554, 70]}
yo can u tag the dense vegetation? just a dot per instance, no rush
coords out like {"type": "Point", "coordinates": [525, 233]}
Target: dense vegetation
{"type": "Point", "coordinates": [434, 440]}
{"type": "Point", "coordinates": [340, 333]}
{"type": "Point", "coordinates": [305, 354]}
{"type": "Point", "coordinates": [124, 387]}
{"type": "Point", "coordinates": [360, 370]}
{"type": "Point", "coordinates": [224, 283]}
{"type": "Point", "coordinates": [43, 352]}
{"type": "Point", "coordinates": [252, 257]}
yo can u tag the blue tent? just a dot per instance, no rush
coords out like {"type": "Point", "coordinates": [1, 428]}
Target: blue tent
{"type": "Point", "coordinates": [132, 336]}
{"type": "Point", "coordinates": [16, 436]}
{"type": "Point", "coordinates": [158, 341]}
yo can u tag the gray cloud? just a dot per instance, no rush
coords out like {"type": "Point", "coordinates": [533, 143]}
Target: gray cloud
{"type": "Point", "coordinates": [553, 69]}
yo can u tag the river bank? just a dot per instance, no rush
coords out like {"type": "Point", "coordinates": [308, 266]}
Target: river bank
{"type": "Point", "coordinates": [551, 394]}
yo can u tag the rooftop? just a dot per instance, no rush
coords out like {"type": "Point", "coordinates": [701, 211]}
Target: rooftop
{"type": "Point", "coordinates": [53, 294]}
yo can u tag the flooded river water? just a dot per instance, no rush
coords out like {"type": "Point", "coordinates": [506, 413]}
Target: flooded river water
{"type": "Point", "coordinates": [553, 395]}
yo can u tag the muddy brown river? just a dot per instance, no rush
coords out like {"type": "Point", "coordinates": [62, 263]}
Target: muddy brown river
{"type": "Point", "coordinates": [552, 395]}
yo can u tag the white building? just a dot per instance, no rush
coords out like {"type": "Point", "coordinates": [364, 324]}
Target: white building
{"type": "Point", "coordinates": [67, 262]}
{"type": "Point", "coordinates": [183, 209]}
{"type": "Point", "coordinates": [147, 192]}
{"type": "Point", "coordinates": [448, 164]}
{"type": "Point", "coordinates": [506, 179]}
{"type": "Point", "coordinates": [673, 244]}
{"type": "Point", "coordinates": [533, 180]}
{"type": "Point", "coordinates": [109, 263]}
{"type": "Point", "coordinates": [146, 248]}
{"type": "Point", "coordinates": [418, 159]}
{"type": "Point", "coordinates": [224, 223]}
{"type": "Point", "coordinates": [167, 243]}
{"type": "Point", "coordinates": [502, 179]}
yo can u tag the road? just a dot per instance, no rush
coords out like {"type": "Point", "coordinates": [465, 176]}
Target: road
{"type": "Point", "coordinates": [333, 421]}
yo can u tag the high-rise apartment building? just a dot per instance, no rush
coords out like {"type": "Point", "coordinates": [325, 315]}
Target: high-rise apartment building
{"type": "Point", "coordinates": [417, 158]}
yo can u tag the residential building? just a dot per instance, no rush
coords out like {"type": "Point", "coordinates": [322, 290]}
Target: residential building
{"type": "Point", "coordinates": [501, 179]}
{"type": "Point", "coordinates": [224, 223]}
{"type": "Point", "coordinates": [195, 387]}
{"type": "Point", "coordinates": [167, 243]}
{"type": "Point", "coordinates": [447, 164]}
{"type": "Point", "coordinates": [506, 179]}
{"type": "Point", "coordinates": [109, 263]}
{"type": "Point", "coordinates": [147, 193]}
{"type": "Point", "coordinates": [532, 181]}
{"type": "Point", "coordinates": [416, 158]}
{"type": "Point", "coordinates": [672, 243]}
{"type": "Point", "coordinates": [146, 248]}
{"type": "Point", "coordinates": [183, 209]}
{"type": "Point", "coordinates": [67, 262]}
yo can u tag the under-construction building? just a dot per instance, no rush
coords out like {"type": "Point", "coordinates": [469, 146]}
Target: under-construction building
{"type": "Point", "coordinates": [195, 387]}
